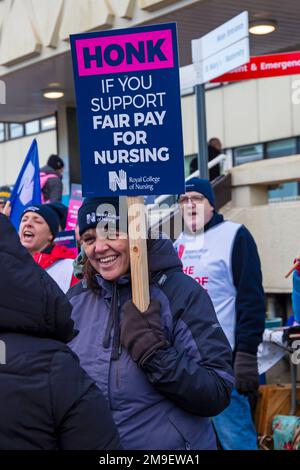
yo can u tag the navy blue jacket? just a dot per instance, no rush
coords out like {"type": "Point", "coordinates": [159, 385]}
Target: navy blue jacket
{"type": "Point", "coordinates": [46, 400]}
{"type": "Point", "coordinates": [250, 299]}
{"type": "Point", "coordinates": [167, 403]}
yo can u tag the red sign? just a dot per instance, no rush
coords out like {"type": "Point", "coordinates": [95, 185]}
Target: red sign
{"type": "Point", "coordinates": [264, 66]}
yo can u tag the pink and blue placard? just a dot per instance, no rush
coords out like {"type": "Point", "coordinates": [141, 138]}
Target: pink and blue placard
{"type": "Point", "coordinates": [129, 111]}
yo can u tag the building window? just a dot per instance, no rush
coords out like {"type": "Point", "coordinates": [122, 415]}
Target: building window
{"type": "Point", "coordinates": [32, 127]}
{"type": "Point", "coordinates": [285, 191]}
{"type": "Point", "coordinates": [48, 123]}
{"type": "Point", "coordinates": [190, 164]}
{"type": "Point", "coordinates": [281, 148]}
{"type": "Point", "coordinates": [2, 131]}
{"type": "Point", "coordinates": [248, 153]}
{"type": "Point", "coordinates": [16, 130]}
{"type": "Point", "coordinates": [13, 130]}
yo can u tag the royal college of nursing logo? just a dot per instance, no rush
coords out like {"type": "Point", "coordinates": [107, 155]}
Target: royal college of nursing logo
{"type": "Point", "coordinates": [116, 179]}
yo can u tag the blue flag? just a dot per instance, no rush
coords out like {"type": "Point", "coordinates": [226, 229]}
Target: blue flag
{"type": "Point", "coordinates": [27, 190]}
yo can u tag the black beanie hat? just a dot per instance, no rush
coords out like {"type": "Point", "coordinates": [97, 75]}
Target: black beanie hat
{"type": "Point", "coordinates": [62, 212]}
{"type": "Point", "coordinates": [48, 214]}
{"type": "Point", "coordinates": [113, 213]}
{"type": "Point", "coordinates": [55, 162]}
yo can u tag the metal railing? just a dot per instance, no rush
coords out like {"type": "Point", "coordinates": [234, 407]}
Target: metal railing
{"type": "Point", "coordinates": [165, 207]}
{"type": "Point", "coordinates": [223, 159]}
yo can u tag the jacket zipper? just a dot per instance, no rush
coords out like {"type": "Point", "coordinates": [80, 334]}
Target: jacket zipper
{"type": "Point", "coordinates": [117, 376]}
{"type": "Point", "coordinates": [120, 347]}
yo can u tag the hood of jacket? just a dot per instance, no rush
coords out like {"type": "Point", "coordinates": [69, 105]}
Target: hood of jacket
{"type": "Point", "coordinates": [30, 301]}
{"type": "Point", "coordinates": [58, 252]}
{"type": "Point", "coordinates": [48, 170]}
{"type": "Point", "coordinates": [162, 256]}
{"type": "Point", "coordinates": [215, 220]}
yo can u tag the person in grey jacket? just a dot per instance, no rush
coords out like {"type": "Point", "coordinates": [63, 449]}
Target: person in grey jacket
{"type": "Point", "coordinates": [165, 372]}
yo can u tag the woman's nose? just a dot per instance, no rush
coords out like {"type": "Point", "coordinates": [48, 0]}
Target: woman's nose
{"type": "Point", "coordinates": [101, 245]}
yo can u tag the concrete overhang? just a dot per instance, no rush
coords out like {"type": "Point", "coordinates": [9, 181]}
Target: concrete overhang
{"type": "Point", "coordinates": [26, 77]}
{"type": "Point", "coordinates": [267, 172]}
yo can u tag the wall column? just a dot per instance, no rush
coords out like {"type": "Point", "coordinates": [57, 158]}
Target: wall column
{"type": "Point", "coordinates": [68, 145]}
{"type": "Point", "coordinates": [247, 196]}
{"type": "Point", "coordinates": [62, 144]}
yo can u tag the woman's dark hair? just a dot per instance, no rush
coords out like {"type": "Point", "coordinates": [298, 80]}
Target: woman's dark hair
{"type": "Point", "coordinates": [89, 274]}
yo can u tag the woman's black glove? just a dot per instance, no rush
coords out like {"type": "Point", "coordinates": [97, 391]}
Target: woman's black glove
{"type": "Point", "coordinates": [246, 373]}
{"type": "Point", "coordinates": [142, 333]}
{"type": "Point", "coordinates": [290, 335]}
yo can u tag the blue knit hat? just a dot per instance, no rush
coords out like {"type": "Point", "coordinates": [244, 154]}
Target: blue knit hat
{"type": "Point", "coordinates": [203, 186]}
{"type": "Point", "coordinates": [62, 212]}
{"type": "Point", "coordinates": [113, 213]}
{"type": "Point", "coordinates": [48, 214]}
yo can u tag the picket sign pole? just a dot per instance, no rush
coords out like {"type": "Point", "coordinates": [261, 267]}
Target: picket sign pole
{"type": "Point", "coordinates": [137, 232]}
{"type": "Point", "coordinates": [6, 208]}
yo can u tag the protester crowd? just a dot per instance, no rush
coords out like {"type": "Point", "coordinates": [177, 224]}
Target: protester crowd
{"type": "Point", "coordinates": [88, 370]}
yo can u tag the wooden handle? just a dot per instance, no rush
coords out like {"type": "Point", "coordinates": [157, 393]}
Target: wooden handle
{"type": "Point", "coordinates": [137, 231]}
{"type": "Point", "coordinates": [6, 208]}
{"type": "Point", "coordinates": [292, 269]}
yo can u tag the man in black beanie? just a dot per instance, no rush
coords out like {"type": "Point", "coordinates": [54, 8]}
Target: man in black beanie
{"type": "Point", "coordinates": [51, 179]}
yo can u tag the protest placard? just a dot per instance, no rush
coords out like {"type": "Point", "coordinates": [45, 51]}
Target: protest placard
{"type": "Point", "coordinates": [74, 205]}
{"type": "Point", "coordinates": [129, 120]}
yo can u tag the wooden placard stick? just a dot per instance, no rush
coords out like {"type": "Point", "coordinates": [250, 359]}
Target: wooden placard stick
{"type": "Point", "coordinates": [137, 232]}
{"type": "Point", "coordinates": [6, 209]}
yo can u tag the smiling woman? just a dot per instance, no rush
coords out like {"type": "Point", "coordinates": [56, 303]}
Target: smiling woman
{"type": "Point", "coordinates": [108, 256]}
{"type": "Point", "coordinates": [164, 372]}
